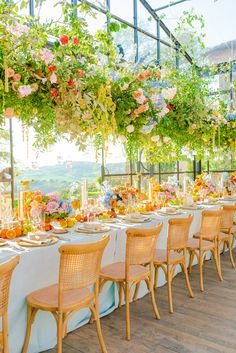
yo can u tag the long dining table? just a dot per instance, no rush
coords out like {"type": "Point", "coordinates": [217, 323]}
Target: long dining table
{"type": "Point", "coordinates": [39, 267]}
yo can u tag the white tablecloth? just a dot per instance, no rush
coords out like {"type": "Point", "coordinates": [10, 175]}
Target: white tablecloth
{"type": "Point", "coordinates": [39, 268]}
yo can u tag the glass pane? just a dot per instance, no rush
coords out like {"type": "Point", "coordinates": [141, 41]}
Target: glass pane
{"type": "Point", "coordinates": [146, 21]}
{"type": "Point", "coordinates": [147, 49]}
{"type": "Point", "coordinates": [47, 11]}
{"type": "Point", "coordinates": [94, 23]}
{"type": "Point", "coordinates": [168, 56]}
{"type": "Point", "coordinates": [125, 43]}
{"type": "Point", "coordinates": [122, 9]}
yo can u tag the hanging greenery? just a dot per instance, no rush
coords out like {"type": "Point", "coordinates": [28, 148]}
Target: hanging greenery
{"type": "Point", "coordinates": [62, 81]}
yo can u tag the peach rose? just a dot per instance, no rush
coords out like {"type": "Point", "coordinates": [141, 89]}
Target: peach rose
{"type": "Point", "coordinates": [137, 94]}
{"type": "Point", "coordinates": [10, 72]}
{"type": "Point", "coordinates": [9, 113]}
{"type": "Point", "coordinates": [17, 77]}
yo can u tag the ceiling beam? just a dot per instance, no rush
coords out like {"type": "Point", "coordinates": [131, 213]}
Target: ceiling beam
{"type": "Point", "coordinates": [169, 5]}
{"type": "Point", "coordinates": [166, 30]}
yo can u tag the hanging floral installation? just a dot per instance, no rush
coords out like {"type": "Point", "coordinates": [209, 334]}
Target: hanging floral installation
{"type": "Point", "coordinates": [65, 82]}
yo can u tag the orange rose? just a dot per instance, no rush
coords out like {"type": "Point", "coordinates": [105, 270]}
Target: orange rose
{"type": "Point", "coordinates": [113, 203]}
{"type": "Point", "coordinates": [137, 94]}
{"type": "Point", "coordinates": [141, 77]}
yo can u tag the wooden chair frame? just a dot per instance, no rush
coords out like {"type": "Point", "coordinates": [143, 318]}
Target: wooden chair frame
{"type": "Point", "coordinates": [200, 251]}
{"type": "Point", "coordinates": [168, 266]}
{"type": "Point", "coordinates": [6, 270]}
{"type": "Point", "coordinates": [61, 314]}
{"type": "Point", "coordinates": [126, 284]}
{"type": "Point", "coordinates": [227, 223]}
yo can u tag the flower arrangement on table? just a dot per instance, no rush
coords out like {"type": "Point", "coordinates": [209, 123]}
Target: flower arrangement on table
{"type": "Point", "coordinates": [165, 192]}
{"type": "Point", "coordinates": [119, 198]}
{"type": "Point", "coordinates": [230, 183]}
{"type": "Point", "coordinates": [51, 207]}
{"type": "Point", "coordinates": [204, 187]}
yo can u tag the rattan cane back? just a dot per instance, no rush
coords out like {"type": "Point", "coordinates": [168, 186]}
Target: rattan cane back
{"type": "Point", "coordinates": [227, 219]}
{"type": "Point", "coordinates": [140, 244]}
{"type": "Point", "coordinates": [210, 224]}
{"type": "Point", "coordinates": [80, 264]}
{"type": "Point", "coordinates": [178, 232]}
{"type": "Point", "coordinates": [6, 269]}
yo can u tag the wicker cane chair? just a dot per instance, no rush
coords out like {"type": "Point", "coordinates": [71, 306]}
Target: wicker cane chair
{"type": "Point", "coordinates": [79, 268]}
{"type": "Point", "coordinates": [140, 247]}
{"type": "Point", "coordinates": [174, 255]}
{"type": "Point", "coordinates": [6, 270]}
{"type": "Point", "coordinates": [228, 231]}
{"type": "Point", "coordinates": [206, 240]}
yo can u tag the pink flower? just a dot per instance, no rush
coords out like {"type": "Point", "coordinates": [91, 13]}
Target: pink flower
{"type": "Point", "coordinates": [51, 207]}
{"type": "Point", "coordinates": [9, 112]}
{"type": "Point", "coordinates": [35, 211]}
{"type": "Point", "coordinates": [80, 73]}
{"type": "Point", "coordinates": [46, 55]}
{"type": "Point", "coordinates": [155, 98]}
{"type": "Point", "coordinates": [193, 126]}
{"type": "Point", "coordinates": [53, 78]}
{"type": "Point", "coordinates": [53, 197]}
{"type": "Point", "coordinates": [24, 91]}
{"type": "Point", "coordinates": [18, 30]}
{"type": "Point", "coordinates": [10, 72]}
{"type": "Point", "coordinates": [64, 206]}
{"type": "Point", "coordinates": [17, 77]}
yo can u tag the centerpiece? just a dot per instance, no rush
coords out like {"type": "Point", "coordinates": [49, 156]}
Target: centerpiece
{"type": "Point", "coordinates": [204, 187]}
{"type": "Point", "coordinates": [119, 198]}
{"type": "Point", "coordinates": [49, 208]}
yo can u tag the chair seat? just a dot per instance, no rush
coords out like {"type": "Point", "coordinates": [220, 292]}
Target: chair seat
{"type": "Point", "coordinates": [223, 236]}
{"type": "Point", "coordinates": [47, 298]}
{"type": "Point", "coordinates": [116, 272]}
{"type": "Point", "coordinates": [194, 244]}
{"type": "Point", "coordinates": [161, 256]}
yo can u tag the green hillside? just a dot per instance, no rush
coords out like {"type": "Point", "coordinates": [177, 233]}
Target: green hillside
{"type": "Point", "coordinates": [57, 177]}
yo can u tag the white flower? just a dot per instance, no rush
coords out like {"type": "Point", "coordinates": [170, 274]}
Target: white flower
{"type": "Point", "coordinates": [141, 99]}
{"type": "Point", "coordinates": [163, 112]}
{"type": "Point", "coordinates": [130, 128]}
{"type": "Point", "coordinates": [53, 78]}
{"type": "Point", "coordinates": [159, 143]}
{"type": "Point", "coordinates": [166, 139]}
{"type": "Point", "coordinates": [155, 98]}
{"type": "Point", "coordinates": [155, 138]}
{"type": "Point", "coordinates": [169, 93]}
{"type": "Point", "coordinates": [122, 138]}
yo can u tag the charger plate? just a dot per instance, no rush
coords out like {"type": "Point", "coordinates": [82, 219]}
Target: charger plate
{"type": "Point", "coordinates": [24, 242]}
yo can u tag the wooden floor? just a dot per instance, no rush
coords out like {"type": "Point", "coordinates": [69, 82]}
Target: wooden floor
{"type": "Point", "coordinates": [204, 324]}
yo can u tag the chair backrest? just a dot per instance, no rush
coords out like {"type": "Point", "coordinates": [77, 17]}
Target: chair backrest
{"type": "Point", "coordinates": [80, 264]}
{"type": "Point", "coordinates": [227, 219]}
{"type": "Point", "coordinates": [141, 244]}
{"type": "Point", "coordinates": [210, 224]}
{"type": "Point", "coordinates": [178, 232]}
{"type": "Point", "coordinates": [6, 270]}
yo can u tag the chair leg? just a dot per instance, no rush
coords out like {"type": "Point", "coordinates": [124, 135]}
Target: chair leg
{"type": "Point", "coordinates": [224, 247]}
{"type": "Point", "coordinates": [201, 258]}
{"type": "Point", "coordinates": [59, 332]}
{"type": "Point", "coordinates": [98, 325]}
{"type": "Point", "coordinates": [5, 333]}
{"type": "Point", "coordinates": [156, 269]}
{"type": "Point", "coordinates": [184, 269]}
{"type": "Point", "coordinates": [218, 268]}
{"type": "Point", "coordinates": [137, 287]}
{"type": "Point", "coordinates": [127, 304]}
{"type": "Point", "coordinates": [169, 284]}
{"type": "Point", "coordinates": [231, 253]}
{"type": "Point", "coordinates": [154, 304]}
{"type": "Point", "coordinates": [191, 257]}
{"type": "Point", "coordinates": [121, 287]}
{"type": "Point", "coordinates": [31, 312]}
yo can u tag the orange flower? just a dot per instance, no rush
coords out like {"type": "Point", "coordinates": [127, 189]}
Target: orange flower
{"type": "Point", "coordinates": [141, 77]}
{"type": "Point", "coordinates": [147, 74]}
{"type": "Point", "coordinates": [113, 203]}
{"type": "Point", "coordinates": [157, 74]}
{"type": "Point", "coordinates": [137, 94]}
{"type": "Point", "coordinates": [38, 198]}
{"type": "Point", "coordinates": [133, 116]}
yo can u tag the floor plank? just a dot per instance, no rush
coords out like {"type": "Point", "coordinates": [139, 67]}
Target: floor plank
{"type": "Point", "coordinates": [205, 324]}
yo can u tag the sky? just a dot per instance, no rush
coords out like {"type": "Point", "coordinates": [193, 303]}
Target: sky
{"type": "Point", "coordinates": [219, 19]}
